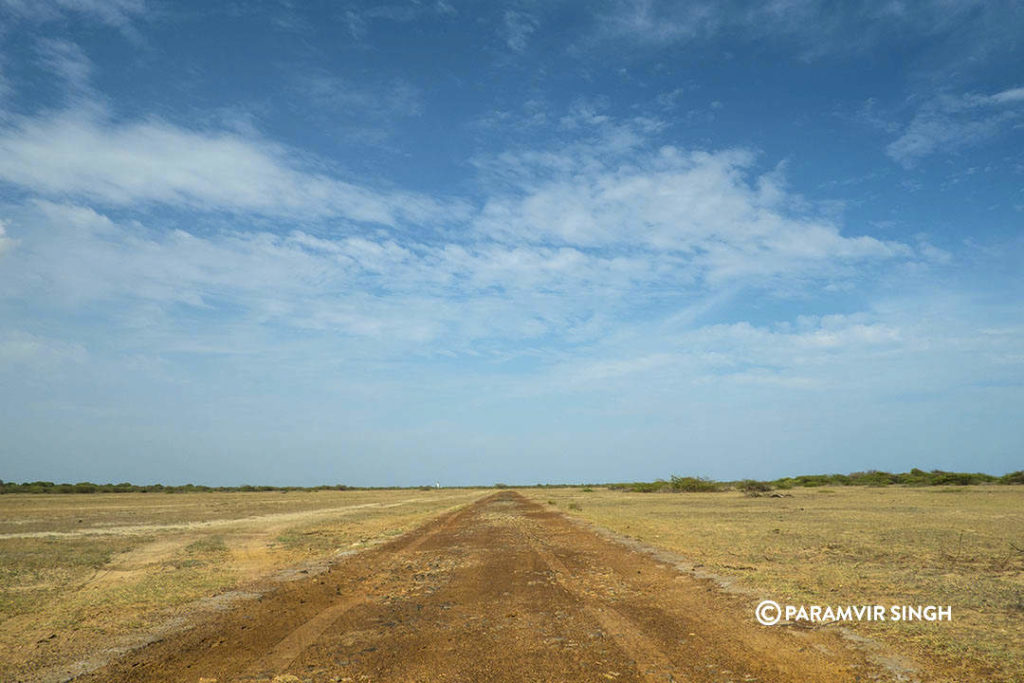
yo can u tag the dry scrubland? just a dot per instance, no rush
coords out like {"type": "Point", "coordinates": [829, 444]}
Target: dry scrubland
{"type": "Point", "coordinates": [84, 575]}
{"type": "Point", "coordinates": [956, 546]}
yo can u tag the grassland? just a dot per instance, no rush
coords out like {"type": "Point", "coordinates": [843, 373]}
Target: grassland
{"type": "Point", "coordinates": [84, 576]}
{"type": "Point", "coordinates": [835, 546]}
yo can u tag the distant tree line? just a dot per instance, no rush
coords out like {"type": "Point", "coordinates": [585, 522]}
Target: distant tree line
{"type": "Point", "coordinates": [914, 477]}
{"type": "Point", "coordinates": [125, 487]}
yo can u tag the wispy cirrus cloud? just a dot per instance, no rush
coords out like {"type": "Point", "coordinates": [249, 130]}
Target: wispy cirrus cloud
{"type": "Point", "coordinates": [448, 295]}
{"type": "Point", "coordinates": [360, 18]}
{"type": "Point", "coordinates": [709, 212]}
{"type": "Point", "coordinates": [67, 60]}
{"type": "Point", "coordinates": [367, 112]}
{"type": "Point", "coordinates": [5, 242]}
{"type": "Point", "coordinates": [812, 27]}
{"type": "Point", "coordinates": [82, 153]}
{"type": "Point", "coordinates": [387, 300]}
{"type": "Point", "coordinates": [693, 216]}
{"type": "Point", "coordinates": [789, 354]}
{"type": "Point", "coordinates": [119, 14]}
{"type": "Point", "coordinates": [948, 123]}
{"type": "Point", "coordinates": [933, 345]}
{"type": "Point", "coordinates": [517, 27]}
{"type": "Point", "coordinates": [395, 98]}
{"type": "Point", "coordinates": [560, 242]}
{"type": "Point", "coordinates": [1008, 96]}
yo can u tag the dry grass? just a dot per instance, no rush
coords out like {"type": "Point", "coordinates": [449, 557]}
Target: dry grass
{"type": "Point", "coordinates": [894, 545]}
{"type": "Point", "coordinates": [84, 573]}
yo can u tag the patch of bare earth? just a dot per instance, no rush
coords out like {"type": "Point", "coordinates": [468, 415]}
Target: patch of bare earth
{"type": "Point", "coordinates": [504, 589]}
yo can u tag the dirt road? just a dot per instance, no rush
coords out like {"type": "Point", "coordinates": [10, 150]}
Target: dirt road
{"type": "Point", "coordinates": [504, 589]}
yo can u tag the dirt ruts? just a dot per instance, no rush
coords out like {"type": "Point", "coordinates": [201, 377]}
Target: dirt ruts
{"type": "Point", "coordinates": [502, 590]}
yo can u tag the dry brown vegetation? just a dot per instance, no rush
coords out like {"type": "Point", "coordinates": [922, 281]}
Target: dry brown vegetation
{"type": "Point", "coordinates": [86, 576]}
{"type": "Point", "coordinates": [944, 546]}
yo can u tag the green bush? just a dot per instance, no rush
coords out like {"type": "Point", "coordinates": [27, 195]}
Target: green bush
{"type": "Point", "coordinates": [872, 478]}
{"type": "Point", "coordinates": [940, 478]}
{"type": "Point", "coordinates": [1012, 478]}
{"type": "Point", "coordinates": [693, 484]}
{"type": "Point", "coordinates": [753, 486]}
{"type": "Point", "coordinates": [649, 486]}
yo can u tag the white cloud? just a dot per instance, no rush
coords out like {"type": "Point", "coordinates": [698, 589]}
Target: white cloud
{"type": "Point", "coordinates": [677, 228]}
{"type": "Point", "coordinates": [68, 61]}
{"type": "Point", "coordinates": [6, 243]}
{"type": "Point", "coordinates": [1008, 96]}
{"type": "Point", "coordinates": [363, 111]}
{"type": "Point", "coordinates": [654, 23]}
{"type": "Point", "coordinates": [812, 27]}
{"type": "Point", "coordinates": [345, 98]}
{"type": "Point", "coordinates": [360, 21]}
{"type": "Point", "coordinates": [928, 345]}
{"type": "Point", "coordinates": [567, 241]}
{"type": "Point", "coordinates": [947, 123]}
{"type": "Point", "coordinates": [703, 209]}
{"type": "Point", "coordinates": [81, 153]}
{"type": "Point", "coordinates": [119, 14]}
{"type": "Point", "coordinates": [517, 29]}
{"type": "Point", "coordinates": [407, 292]}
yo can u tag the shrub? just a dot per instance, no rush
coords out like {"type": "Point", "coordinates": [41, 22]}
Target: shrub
{"type": "Point", "coordinates": [694, 484]}
{"type": "Point", "coordinates": [872, 478]}
{"type": "Point", "coordinates": [1012, 478]}
{"type": "Point", "coordinates": [752, 486]}
{"type": "Point", "coordinates": [915, 477]}
{"type": "Point", "coordinates": [812, 480]}
{"type": "Point", "coordinates": [649, 486]}
{"type": "Point", "coordinates": [940, 478]}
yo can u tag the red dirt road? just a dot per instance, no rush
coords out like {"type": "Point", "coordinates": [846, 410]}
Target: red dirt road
{"type": "Point", "coordinates": [504, 589]}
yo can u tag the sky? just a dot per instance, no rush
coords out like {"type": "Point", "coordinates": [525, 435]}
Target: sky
{"type": "Point", "coordinates": [396, 243]}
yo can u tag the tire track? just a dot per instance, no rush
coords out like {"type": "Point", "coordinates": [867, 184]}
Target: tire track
{"type": "Point", "coordinates": [652, 663]}
{"type": "Point", "coordinates": [288, 649]}
{"type": "Point", "coordinates": [291, 646]}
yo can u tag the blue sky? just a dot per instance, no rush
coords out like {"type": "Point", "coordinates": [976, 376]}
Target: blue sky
{"type": "Point", "coordinates": [300, 243]}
